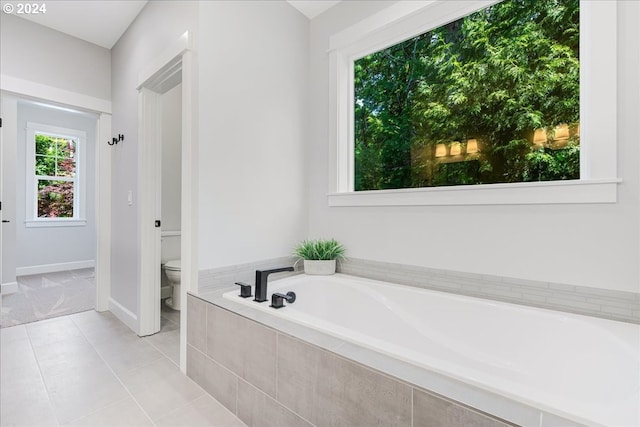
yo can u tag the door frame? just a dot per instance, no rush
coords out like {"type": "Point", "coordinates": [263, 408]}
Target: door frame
{"type": "Point", "coordinates": [176, 61]}
{"type": "Point", "coordinates": [17, 88]}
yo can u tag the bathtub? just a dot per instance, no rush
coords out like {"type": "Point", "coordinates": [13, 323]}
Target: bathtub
{"type": "Point", "coordinates": [582, 368]}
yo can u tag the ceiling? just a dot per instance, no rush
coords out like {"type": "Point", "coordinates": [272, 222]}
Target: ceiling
{"type": "Point", "coordinates": [100, 22]}
{"type": "Point", "coordinates": [103, 22]}
{"type": "Point", "coordinates": [312, 8]}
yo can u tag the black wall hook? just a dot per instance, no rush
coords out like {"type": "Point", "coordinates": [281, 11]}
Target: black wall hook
{"type": "Point", "coordinates": [114, 141]}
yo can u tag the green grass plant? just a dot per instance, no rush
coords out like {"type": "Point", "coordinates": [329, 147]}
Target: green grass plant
{"type": "Point", "coordinates": [320, 249]}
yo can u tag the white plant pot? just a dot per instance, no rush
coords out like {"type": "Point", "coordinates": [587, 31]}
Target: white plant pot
{"type": "Point", "coordinates": [320, 268]}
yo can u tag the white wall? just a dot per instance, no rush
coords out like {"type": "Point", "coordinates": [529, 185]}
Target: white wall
{"type": "Point", "coordinates": [39, 54]}
{"type": "Point", "coordinates": [590, 245]}
{"type": "Point", "coordinates": [158, 26]}
{"type": "Point", "coordinates": [38, 246]}
{"type": "Point", "coordinates": [171, 104]}
{"type": "Point", "coordinates": [253, 77]}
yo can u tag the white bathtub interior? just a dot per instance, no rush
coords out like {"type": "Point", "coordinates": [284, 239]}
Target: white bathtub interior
{"type": "Point", "coordinates": [574, 366]}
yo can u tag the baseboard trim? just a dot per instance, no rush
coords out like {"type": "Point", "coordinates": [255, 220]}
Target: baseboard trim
{"type": "Point", "coordinates": [9, 288]}
{"type": "Point", "coordinates": [52, 268]}
{"type": "Point", "coordinates": [127, 317]}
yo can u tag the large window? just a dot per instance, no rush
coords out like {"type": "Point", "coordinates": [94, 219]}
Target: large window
{"type": "Point", "coordinates": [492, 97]}
{"type": "Point", "coordinates": [54, 184]}
{"type": "Point", "coordinates": [475, 102]}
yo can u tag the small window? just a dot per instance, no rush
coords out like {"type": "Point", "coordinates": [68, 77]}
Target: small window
{"type": "Point", "coordinates": [492, 97]}
{"type": "Point", "coordinates": [53, 175]}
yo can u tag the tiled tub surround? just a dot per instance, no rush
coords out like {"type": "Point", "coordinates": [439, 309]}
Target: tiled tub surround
{"type": "Point", "coordinates": [519, 352]}
{"type": "Point", "coordinates": [607, 304]}
{"type": "Point", "coordinates": [271, 377]}
{"type": "Point", "coordinates": [258, 363]}
{"type": "Point", "coordinates": [203, 363]}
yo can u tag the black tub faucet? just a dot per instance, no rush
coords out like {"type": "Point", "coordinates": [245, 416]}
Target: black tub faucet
{"type": "Point", "coordinates": [261, 282]}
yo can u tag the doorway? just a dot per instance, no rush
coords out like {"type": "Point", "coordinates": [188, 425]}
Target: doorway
{"type": "Point", "coordinates": [51, 176]}
{"type": "Point", "coordinates": [175, 66]}
{"type": "Point", "coordinates": [169, 151]}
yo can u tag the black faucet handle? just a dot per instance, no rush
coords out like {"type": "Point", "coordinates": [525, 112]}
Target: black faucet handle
{"type": "Point", "coordinates": [278, 298]}
{"type": "Point", "coordinates": [245, 289]}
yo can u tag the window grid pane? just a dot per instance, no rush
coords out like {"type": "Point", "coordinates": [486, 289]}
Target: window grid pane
{"type": "Point", "coordinates": [55, 199]}
{"type": "Point", "coordinates": [55, 156]}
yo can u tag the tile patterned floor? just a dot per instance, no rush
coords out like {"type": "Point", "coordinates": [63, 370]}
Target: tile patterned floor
{"type": "Point", "coordinates": [89, 369]}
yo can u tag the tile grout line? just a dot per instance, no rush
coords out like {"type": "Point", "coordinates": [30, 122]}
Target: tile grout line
{"type": "Point", "coordinates": [275, 400]}
{"type": "Point", "coordinates": [277, 396]}
{"type": "Point", "coordinates": [162, 353]}
{"type": "Point", "coordinates": [206, 329]}
{"type": "Point", "coordinates": [204, 394]}
{"type": "Point", "coordinates": [332, 352]}
{"type": "Point", "coordinates": [214, 361]}
{"type": "Point", "coordinates": [239, 379]}
{"type": "Point", "coordinates": [158, 349]}
{"type": "Point", "coordinates": [44, 383]}
{"type": "Point", "coordinates": [117, 378]}
{"type": "Point", "coordinates": [412, 409]}
{"type": "Point", "coordinates": [237, 396]}
{"type": "Point", "coordinates": [96, 411]}
{"type": "Point", "coordinates": [235, 376]}
{"type": "Point", "coordinates": [82, 334]}
{"type": "Point", "coordinates": [219, 365]}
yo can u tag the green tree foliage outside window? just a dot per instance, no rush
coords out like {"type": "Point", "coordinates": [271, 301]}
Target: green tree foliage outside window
{"type": "Point", "coordinates": [496, 77]}
{"type": "Point", "coordinates": [55, 168]}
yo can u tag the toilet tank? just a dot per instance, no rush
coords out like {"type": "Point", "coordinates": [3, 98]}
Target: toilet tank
{"type": "Point", "coordinates": [170, 246]}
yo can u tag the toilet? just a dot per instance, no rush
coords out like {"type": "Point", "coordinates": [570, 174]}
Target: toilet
{"type": "Point", "coordinates": [172, 270]}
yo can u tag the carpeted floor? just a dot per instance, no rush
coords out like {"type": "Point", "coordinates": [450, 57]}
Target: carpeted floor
{"type": "Point", "coordinates": [43, 296]}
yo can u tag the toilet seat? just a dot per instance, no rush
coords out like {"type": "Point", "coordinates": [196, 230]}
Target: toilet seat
{"type": "Point", "coordinates": [172, 265]}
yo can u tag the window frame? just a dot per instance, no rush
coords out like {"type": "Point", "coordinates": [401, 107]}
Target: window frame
{"type": "Point", "coordinates": [598, 162]}
{"type": "Point", "coordinates": [79, 192]}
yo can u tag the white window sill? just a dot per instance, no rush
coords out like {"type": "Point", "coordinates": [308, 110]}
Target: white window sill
{"type": "Point", "coordinates": [523, 193]}
{"type": "Point", "coordinates": [55, 223]}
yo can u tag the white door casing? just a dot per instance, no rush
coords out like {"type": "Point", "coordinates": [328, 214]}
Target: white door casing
{"type": "Point", "coordinates": [174, 65]}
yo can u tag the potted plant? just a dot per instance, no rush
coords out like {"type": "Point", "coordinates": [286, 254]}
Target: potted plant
{"type": "Point", "coordinates": [320, 255]}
